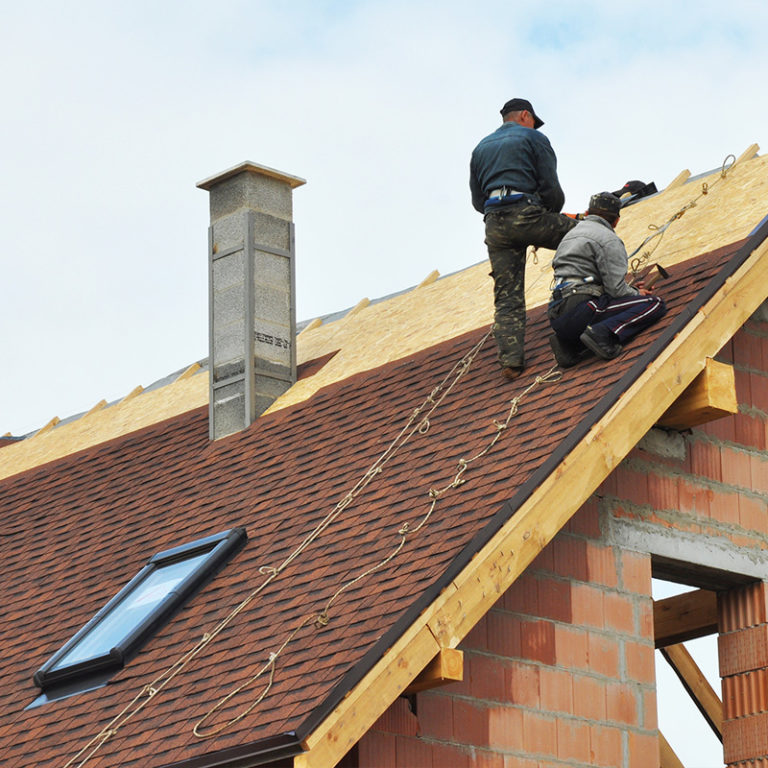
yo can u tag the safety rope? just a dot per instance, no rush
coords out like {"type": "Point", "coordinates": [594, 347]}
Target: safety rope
{"type": "Point", "coordinates": [322, 618]}
{"type": "Point", "coordinates": [636, 262]}
{"type": "Point", "coordinates": [417, 422]}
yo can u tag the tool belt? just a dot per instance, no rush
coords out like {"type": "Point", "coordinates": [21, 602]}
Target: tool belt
{"type": "Point", "coordinates": [566, 289]}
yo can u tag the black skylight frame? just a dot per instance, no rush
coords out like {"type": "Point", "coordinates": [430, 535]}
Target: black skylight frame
{"type": "Point", "coordinates": [95, 671]}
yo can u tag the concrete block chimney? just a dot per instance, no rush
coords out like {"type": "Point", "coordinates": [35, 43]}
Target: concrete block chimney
{"type": "Point", "coordinates": [252, 310]}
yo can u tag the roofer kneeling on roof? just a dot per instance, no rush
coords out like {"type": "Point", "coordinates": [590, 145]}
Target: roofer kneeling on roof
{"type": "Point", "coordinates": [593, 308]}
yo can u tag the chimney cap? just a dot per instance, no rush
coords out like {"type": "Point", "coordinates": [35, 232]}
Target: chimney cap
{"type": "Point", "coordinates": [247, 166]}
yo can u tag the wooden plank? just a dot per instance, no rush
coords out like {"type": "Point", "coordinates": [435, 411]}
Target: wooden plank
{"type": "Point", "coordinates": [429, 279]}
{"type": "Point", "coordinates": [684, 617]}
{"type": "Point", "coordinates": [667, 756]}
{"type": "Point", "coordinates": [697, 686]}
{"type": "Point", "coordinates": [678, 181]}
{"type": "Point", "coordinates": [711, 395]}
{"type": "Point", "coordinates": [446, 667]}
{"type": "Point", "coordinates": [499, 563]}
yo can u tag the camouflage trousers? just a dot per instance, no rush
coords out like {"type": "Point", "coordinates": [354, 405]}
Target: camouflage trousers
{"type": "Point", "coordinates": [509, 230]}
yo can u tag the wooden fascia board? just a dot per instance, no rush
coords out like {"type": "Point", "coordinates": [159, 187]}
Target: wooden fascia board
{"type": "Point", "coordinates": [711, 395]}
{"type": "Point", "coordinates": [684, 617]}
{"type": "Point", "coordinates": [696, 685]}
{"type": "Point", "coordinates": [495, 567]}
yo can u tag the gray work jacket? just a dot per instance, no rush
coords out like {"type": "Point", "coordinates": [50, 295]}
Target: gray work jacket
{"type": "Point", "coordinates": [593, 249]}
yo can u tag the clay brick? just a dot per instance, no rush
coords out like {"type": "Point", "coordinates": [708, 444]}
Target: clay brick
{"type": "Point", "coordinates": [398, 718]}
{"type": "Point", "coordinates": [747, 350]}
{"type": "Point", "coordinates": [377, 750]}
{"type": "Point", "coordinates": [586, 522]}
{"type": "Point", "coordinates": [724, 507]}
{"type": "Point", "coordinates": [693, 499]}
{"type": "Point", "coordinates": [662, 491]}
{"type": "Point", "coordinates": [554, 599]}
{"type": "Point", "coordinates": [587, 606]}
{"type": "Point", "coordinates": [758, 473]}
{"type": "Point", "coordinates": [505, 727]}
{"type": "Point", "coordinates": [749, 430]}
{"type": "Point", "coordinates": [745, 694]}
{"type": "Point", "coordinates": [753, 513]}
{"type": "Point", "coordinates": [413, 751]}
{"type": "Point", "coordinates": [588, 697]}
{"type": "Point", "coordinates": [742, 607]}
{"type": "Point", "coordinates": [504, 634]}
{"type": "Point", "coordinates": [477, 637]}
{"type": "Point", "coordinates": [601, 565]}
{"type": "Point", "coordinates": [514, 761]}
{"type": "Point", "coordinates": [480, 758]}
{"type": "Point", "coordinates": [539, 733]}
{"type": "Point", "coordinates": [636, 572]}
{"type": "Point", "coordinates": [745, 738]}
{"type": "Point", "coordinates": [449, 756]}
{"type": "Point", "coordinates": [573, 740]}
{"type": "Point", "coordinates": [470, 722]}
{"type": "Point", "coordinates": [523, 595]}
{"type": "Point", "coordinates": [603, 654]}
{"type": "Point", "coordinates": [435, 715]}
{"type": "Point", "coordinates": [643, 750]}
{"type": "Point", "coordinates": [705, 460]}
{"type": "Point", "coordinates": [522, 682]}
{"type": "Point", "coordinates": [538, 641]}
{"type": "Point", "coordinates": [645, 628]}
{"type": "Point", "coordinates": [743, 651]}
{"type": "Point", "coordinates": [619, 613]}
{"type": "Point", "coordinates": [720, 429]}
{"type": "Point", "coordinates": [650, 710]}
{"type": "Point", "coordinates": [758, 391]}
{"type": "Point", "coordinates": [571, 647]}
{"type": "Point", "coordinates": [556, 690]}
{"type": "Point", "coordinates": [605, 746]}
{"type": "Point", "coordinates": [735, 467]}
{"type": "Point", "coordinates": [485, 680]}
{"type": "Point", "coordinates": [640, 662]}
{"type": "Point", "coordinates": [570, 557]}
{"type": "Point", "coordinates": [621, 703]}
{"type": "Point", "coordinates": [632, 485]}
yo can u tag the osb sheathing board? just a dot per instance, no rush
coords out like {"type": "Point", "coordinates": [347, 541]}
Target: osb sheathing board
{"type": "Point", "coordinates": [374, 334]}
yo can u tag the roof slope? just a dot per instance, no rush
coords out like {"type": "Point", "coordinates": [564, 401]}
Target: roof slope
{"type": "Point", "coordinates": [379, 333]}
{"type": "Point", "coordinates": [84, 525]}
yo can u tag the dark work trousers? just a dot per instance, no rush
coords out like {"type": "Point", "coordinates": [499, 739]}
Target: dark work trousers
{"type": "Point", "coordinates": [509, 230]}
{"type": "Point", "coordinates": [625, 316]}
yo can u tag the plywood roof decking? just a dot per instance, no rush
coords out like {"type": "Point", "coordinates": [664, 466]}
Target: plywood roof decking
{"type": "Point", "coordinates": [433, 312]}
{"type": "Point", "coordinates": [86, 523]}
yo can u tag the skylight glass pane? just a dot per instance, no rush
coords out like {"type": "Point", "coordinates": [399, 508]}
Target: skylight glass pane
{"type": "Point", "coordinates": [131, 611]}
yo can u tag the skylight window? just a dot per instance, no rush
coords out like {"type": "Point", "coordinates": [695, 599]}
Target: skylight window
{"type": "Point", "coordinates": [130, 618]}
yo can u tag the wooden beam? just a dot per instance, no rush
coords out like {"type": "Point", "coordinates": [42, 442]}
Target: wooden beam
{"type": "Point", "coordinates": [534, 524]}
{"type": "Point", "coordinates": [446, 667]}
{"type": "Point", "coordinates": [684, 617]}
{"type": "Point", "coordinates": [667, 756]}
{"type": "Point", "coordinates": [711, 395]}
{"type": "Point", "coordinates": [697, 686]}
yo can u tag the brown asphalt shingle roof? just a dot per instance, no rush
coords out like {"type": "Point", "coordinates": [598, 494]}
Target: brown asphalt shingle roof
{"type": "Point", "coordinates": [76, 530]}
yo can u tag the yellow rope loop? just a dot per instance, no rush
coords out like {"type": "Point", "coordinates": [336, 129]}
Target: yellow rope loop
{"type": "Point", "coordinates": [404, 529]}
{"type": "Point", "coordinates": [151, 691]}
{"type": "Point", "coordinates": [424, 426]}
{"type": "Point", "coordinates": [535, 254]}
{"type": "Point", "coordinates": [434, 493]}
{"type": "Point", "coordinates": [704, 188]}
{"type": "Point", "coordinates": [513, 403]}
{"type": "Point", "coordinates": [264, 570]}
{"type": "Point", "coordinates": [500, 425]}
{"type": "Point", "coordinates": [321, 620]}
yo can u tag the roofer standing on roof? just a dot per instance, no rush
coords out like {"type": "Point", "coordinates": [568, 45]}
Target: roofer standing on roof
{"type": "Point", "coordinates": [513, 179]}
{"type": "Point", "coordinates": [593, 307]}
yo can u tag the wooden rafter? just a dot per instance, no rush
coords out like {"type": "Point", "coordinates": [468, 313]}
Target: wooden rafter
{"type": "Point", "coordinates": [697, 686]}
{"type": "Point", "coordinates": [684, 617]}
{"type": "Point", "coordinates": [711, 395]}
{"type": "Point", "coordinates": [446, 667]}
{"type": "Point", "coordinates": [504, 558]}
{"type": "Point", "coordinates": [667, 756]}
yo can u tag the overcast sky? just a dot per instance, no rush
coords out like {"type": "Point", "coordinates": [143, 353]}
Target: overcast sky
{"type": "Point", "coordinates": [112, 111]}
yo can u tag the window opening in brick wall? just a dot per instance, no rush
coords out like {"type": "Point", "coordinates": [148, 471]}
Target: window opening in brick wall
{"type": "Point", "coordinates": [134, 615]}
{"type": "Point", "coordinates": [682, 724]}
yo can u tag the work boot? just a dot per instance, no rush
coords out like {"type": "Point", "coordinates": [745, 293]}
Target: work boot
{"type": "Point", "coordinates": [567, 353]}
{"type": "Point", "coordinates": [601, 341]}
{"type": "Point", "coordinates": [512, 372]}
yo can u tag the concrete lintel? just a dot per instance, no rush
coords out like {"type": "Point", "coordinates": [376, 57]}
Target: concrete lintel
{"type": "Point", "coordinates": [687, 558]}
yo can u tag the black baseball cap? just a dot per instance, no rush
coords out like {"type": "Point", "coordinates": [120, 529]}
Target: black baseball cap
{"type": "Point", "coordinates": [605, 202]}
{"type": "Point", "coordinates": [515, 105]}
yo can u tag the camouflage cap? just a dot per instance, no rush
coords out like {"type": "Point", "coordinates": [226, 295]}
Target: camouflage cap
{"type": "Point", "coordinates": [605, 202]}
